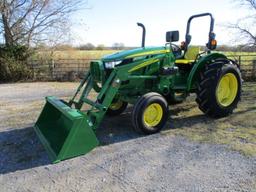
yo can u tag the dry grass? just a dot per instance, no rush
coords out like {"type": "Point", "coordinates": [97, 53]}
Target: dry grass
{"type": "Point", "coordinates": [237, 131]}
{"type": "Point", "coordinates": [74, 54]}
{"type": "Point", "coordinates": [21, 103]}
{"type": "Point", "coordinates": [15, 114]}
{"type": "Point", "coordinates": [96, 54]}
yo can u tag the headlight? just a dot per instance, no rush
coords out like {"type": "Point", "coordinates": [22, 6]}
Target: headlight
{"type": "Point", "coordinates": [112, 64]}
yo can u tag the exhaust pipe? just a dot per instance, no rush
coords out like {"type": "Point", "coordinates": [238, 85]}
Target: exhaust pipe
{"type": "Point", "coordinates": [143, 34]}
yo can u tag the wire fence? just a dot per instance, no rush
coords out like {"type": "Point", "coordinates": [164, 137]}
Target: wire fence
{"type": "Point", "coordinates": [247, 63]}
{"type": "Point", "coordinates": [59, 70]}
{"type": "Point", "coordinates": [74, 69]}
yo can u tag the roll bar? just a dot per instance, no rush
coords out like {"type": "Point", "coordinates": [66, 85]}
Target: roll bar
{"type": "Point", "coordinates": [211, 33]}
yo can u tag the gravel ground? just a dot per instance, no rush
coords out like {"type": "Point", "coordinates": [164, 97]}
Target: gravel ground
{"type": "Point", "coordinates": [125, 161]}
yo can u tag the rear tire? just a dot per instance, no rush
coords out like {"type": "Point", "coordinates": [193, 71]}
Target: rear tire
{"type": "Point", "coordinates": [219, 88]}
{"type": "Point", "coordinates": [150, 113]}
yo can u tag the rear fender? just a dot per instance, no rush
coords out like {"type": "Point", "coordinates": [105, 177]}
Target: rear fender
{"type": "Point", "coordinates": [193, 75]}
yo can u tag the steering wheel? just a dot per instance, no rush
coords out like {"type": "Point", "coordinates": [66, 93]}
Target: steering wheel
{"type": "Point", "coordinates": [176, 50]}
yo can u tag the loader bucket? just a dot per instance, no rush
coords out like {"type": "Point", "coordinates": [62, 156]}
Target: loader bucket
{"type": "Point", "coordinates": [64, 131]}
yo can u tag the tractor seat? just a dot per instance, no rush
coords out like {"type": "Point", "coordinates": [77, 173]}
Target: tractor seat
{"type": "Point", "coordinates": [190, 55]}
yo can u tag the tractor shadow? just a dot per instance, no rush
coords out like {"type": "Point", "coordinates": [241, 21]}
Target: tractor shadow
{"type": "Point", "coordinates": [21, 149]}
{"type": "Point", "coordinates": [117, 129]}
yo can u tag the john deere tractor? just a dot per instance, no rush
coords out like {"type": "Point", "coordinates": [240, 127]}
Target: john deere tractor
{"type": "Point", "coordinates": [150, 79]}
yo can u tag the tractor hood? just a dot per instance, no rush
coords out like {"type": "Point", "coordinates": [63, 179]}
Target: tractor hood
{"type": "Point", "coordinates": [135, 53]}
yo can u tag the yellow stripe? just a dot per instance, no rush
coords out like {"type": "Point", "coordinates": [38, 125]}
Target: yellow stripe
{"type": "Point", "coordinates": [148, 53]}
{"type": "Point", "coordinates": [143, 65]}
{"type": "Point", "coordinates": [184, 61]}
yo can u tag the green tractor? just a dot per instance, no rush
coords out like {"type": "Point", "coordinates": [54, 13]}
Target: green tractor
{"type": "Point", "coordinates": [149, 78]}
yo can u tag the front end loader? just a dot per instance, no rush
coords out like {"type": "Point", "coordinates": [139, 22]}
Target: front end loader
{"type": "Point", "coordinates": [151, 79]}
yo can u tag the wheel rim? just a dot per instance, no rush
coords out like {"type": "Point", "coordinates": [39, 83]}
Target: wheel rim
{"type": "Point", "coordinates": [227, 89]}
{"type": "Point", "coordinates": [117, 105]}
{"type": "Point", "coordinates": [153, 114]}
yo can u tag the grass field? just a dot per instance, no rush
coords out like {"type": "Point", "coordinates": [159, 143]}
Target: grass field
{"type": "Point", "coordinates": [237, 131]}
{"type": "Point", "coordinates": [74, 54]}
{"type": "Point", "coordinates": [245, 57]}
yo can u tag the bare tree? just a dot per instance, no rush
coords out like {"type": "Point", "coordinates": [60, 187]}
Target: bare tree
{"type": "Point", "coordinates": [32, 21]}
{"type": "Point", "coordinates": [246, 26]}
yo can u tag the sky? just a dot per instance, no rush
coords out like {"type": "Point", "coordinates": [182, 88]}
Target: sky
{"type": "Point", "coordinates": [114, 21]}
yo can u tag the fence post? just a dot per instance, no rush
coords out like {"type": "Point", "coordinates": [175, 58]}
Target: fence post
{"type": "Point", "coordinates": [254, 69]}
{"type": "Point", "coordinates": [31, 64]}
{"type": "Point", "coordinates": [33, 70]}
{"type": "Point", "coordinates": [51, 67]}
{"type": "Point", "coordinates": [239, 61]}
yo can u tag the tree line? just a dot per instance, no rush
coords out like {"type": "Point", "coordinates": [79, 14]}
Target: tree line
{"type": "Point", "coordinates": [90, 46]}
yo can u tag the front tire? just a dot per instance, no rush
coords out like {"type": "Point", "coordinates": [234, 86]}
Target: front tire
{"type": "Point", "coordinates": [219, 88]}
{"type": "Point", "coordinates": [150, 113]}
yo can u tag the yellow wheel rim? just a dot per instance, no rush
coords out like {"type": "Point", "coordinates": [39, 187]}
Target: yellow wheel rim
{"type": "Point", "coordinates": [227, 89]}
{"type": "Point", "coordinates": [153, 115]}
{"type": "Point", "coordinates": [117, 105]}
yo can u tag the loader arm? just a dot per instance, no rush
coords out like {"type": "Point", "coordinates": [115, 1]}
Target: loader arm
{"type": "Point", "coordinates": [67, 132]}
